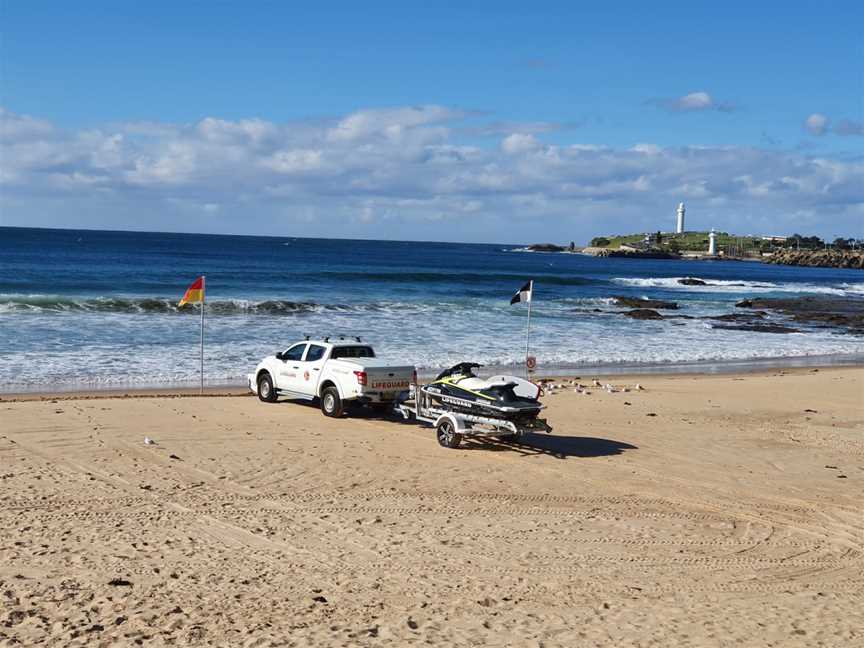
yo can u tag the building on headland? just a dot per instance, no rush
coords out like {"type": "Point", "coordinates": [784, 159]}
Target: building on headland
{"type": "Point", "coordinates": [679, 229]}
{"type": "Point", "coordinates": [712, 242]}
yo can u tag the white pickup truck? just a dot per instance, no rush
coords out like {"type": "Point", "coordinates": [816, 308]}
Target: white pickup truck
{"type": "Point", "coordinates": [337, 372]}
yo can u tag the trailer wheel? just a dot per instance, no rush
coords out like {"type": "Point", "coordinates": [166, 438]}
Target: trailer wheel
{"type": "Point", "coordinates": [447, 435]}
{"type": "Point", "coordinates": [331, 404]}
{"type": "Point", "coordinates": [266, 391]}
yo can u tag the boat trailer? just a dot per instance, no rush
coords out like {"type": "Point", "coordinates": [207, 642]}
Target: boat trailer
{"type": "Point", "coordinates": [451, 427]}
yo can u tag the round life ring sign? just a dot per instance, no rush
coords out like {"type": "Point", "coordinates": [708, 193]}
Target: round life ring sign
{"type": "Point", "coordinates": [531, 362]}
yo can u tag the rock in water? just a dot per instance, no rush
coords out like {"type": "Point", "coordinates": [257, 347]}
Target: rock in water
{"type": "Point", "coordinates": [757, 328]}
{"type": "Point", "coordinates": [644, 314]}
{"type": "Point", "coordinates": [737, 317]}
{"type": "Point", "coordinates": [635, 302]}
{"type": "Point", "coordinates": [692, 281]}
{"type": "Point", "coordinates": [829, 311]}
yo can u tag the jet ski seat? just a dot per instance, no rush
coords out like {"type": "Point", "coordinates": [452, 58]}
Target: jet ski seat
{"type": "Point", "coordinates": [478, 384]}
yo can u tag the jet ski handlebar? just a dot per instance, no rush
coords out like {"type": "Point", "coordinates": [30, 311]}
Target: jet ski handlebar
{"type": "Point", "coordinates": [463, 368]}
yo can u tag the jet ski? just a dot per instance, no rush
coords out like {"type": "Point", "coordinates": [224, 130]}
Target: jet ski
{"type": "Point", "coordinates": [508, 397]}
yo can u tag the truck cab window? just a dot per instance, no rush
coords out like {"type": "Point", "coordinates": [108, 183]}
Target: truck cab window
{"type": "Point", "coordinates": [352, 352]}
{"type": "Point", "coordinates": [295, 352]}
{"type": "Point", "coordinates": [316, 352]}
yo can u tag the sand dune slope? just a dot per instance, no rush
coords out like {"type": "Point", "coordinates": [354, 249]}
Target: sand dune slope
{"type": "Point", "coordinates": [703, 511]}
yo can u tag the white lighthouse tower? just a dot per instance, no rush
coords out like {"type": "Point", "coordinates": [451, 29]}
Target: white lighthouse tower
{"type": "Point", "coordinates": [712, 242]}
{"type": "Point", "coordinates": [680, 228]}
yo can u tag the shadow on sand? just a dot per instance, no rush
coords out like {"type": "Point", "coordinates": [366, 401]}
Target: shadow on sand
{"type": "Point", "coordinates": [559, 447]}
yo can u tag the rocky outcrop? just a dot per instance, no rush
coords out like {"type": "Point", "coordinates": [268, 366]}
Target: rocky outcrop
{"type": "Point", "coordinates": [644, 314]}
{"type": "Point", "coordinates": [758, 327]}
{"type": "Point", "coordinates": [690, 281]}
{"type": "Point", "coordinates": [819, 258]}
{"type": "Point", "coordinates": [546, 247]}
{"type": "Point", "coordinates": [635, 302]}
{"type": "Point", "coordinates": [845, 313]}
{"type": "Point", "coordinates": [737, 317]}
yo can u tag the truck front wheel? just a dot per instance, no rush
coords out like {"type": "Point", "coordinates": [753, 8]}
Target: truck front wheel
{"type": "Point", "coordinates": [266, 391]}
{"type": "Point", "coordinates": [331, 404]}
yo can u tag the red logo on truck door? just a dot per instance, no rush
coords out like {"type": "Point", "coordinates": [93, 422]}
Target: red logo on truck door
{"type": "Point", "coordinates": [305, 375]}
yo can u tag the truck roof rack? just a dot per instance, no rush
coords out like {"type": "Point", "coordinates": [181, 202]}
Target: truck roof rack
{"type": "Point", "coordinates": [356, 338]}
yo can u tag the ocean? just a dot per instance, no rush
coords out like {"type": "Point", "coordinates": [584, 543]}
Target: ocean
{"type": "Point", "coordinates": [83, 309]}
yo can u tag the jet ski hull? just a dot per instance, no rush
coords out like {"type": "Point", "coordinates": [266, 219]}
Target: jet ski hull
{"type": "Point", "coordinates": [459, 400]}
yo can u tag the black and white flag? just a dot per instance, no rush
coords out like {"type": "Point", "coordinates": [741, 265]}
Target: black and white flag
{"type": "Point", "coordinates": [524, 293]}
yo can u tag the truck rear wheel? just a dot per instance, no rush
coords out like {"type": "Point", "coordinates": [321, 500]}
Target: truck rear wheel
{"type": "Point", "coordinates": [447, 435]}
{"type": "Point", "coordinates": [331, 404]}
{"type": "Point", "coordinates": [266, 392]}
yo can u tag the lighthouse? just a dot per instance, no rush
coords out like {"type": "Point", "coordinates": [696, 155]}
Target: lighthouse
{"type": "Point", "coordinates": [712, 242]}
{"type": "Point", "coordinates": [680, 228]}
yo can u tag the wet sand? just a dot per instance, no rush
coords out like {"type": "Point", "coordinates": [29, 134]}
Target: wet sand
{"type": "Point", "coordinates": [703, 511]}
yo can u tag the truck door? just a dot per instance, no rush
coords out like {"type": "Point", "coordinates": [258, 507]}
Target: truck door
{"type": "Point", "coordinates": [290, 374]}
{"type": "Point", "coordinates": [310, 369]}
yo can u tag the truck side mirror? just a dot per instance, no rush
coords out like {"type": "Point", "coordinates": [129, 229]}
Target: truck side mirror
{"type": "Point", "coordinates": [279, 355]}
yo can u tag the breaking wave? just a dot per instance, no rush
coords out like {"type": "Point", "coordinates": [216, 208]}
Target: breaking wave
{"type": "Point", "coordinates": [160, 305]}
{"type": "Point", "coordinates": [48, 304]}
{"type": "Point", "coordinates": [721, 285]}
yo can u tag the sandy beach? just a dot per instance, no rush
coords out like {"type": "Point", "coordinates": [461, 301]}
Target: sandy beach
{"type": "Point", "coordinates": [702, 511]}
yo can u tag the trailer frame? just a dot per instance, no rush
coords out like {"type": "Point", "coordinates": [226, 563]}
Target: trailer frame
{"type": "Point", "coordinates": [451, 427]}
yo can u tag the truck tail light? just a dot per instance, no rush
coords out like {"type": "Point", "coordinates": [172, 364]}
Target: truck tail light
{"type": "Point", "coordinates": [362, 378]}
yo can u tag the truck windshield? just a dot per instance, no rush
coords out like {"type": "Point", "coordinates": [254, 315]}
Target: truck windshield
{"type": "Point", "coordinates": [352, 352]}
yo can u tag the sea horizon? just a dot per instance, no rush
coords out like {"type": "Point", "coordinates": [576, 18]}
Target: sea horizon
{"type": "Point", "coordinates": [264, 236]}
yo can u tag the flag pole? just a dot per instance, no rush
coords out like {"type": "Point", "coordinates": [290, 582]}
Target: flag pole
{"type": "Point", "coordinates": [528, 329]}
{"type": "Point", "coordinates": [203, 298]}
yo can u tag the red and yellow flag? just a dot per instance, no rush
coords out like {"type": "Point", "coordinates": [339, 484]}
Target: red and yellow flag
{"type": "Point", "coordinates": [195, 293]}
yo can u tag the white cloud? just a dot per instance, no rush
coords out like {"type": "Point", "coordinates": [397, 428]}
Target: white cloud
{"type": "Point", "coordinates": [14, 126]}
{"type": "Point", "coordinates": [819, 124]}
{"type": "Point", "coordinates": [519, 143]}
{"type": "Point", "coordinates": [647, 149]}
{"type": "Point", "coordinates": [294, 161]}
{"type": "Point", "coordinates": [390, 123]}
{"type": "Point", "coordinates": [693, 102]}
{"type": "Point", "coordinates": [816, 124]}
{"type": "Point", "coordinates": [496, 128]}
{"type": "Point", "coordinates": [402, 167]}
{"type": "Point", "coordinates": [250, 131]}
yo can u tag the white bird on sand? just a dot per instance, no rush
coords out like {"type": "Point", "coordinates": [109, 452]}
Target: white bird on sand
{"type": "Point", "coordinates": [149, 441]}
{"type": "Point", "coordinates": [639, 387]}
{"type": "Point", "coordinates": [597, 383]}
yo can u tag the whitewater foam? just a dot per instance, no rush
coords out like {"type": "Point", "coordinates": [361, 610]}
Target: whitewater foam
{"type": "Point", "coordinates": [734, 286]}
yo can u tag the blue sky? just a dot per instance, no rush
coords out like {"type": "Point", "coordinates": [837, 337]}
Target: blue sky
{"type": "Point", "coordinates": [468, 121]}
